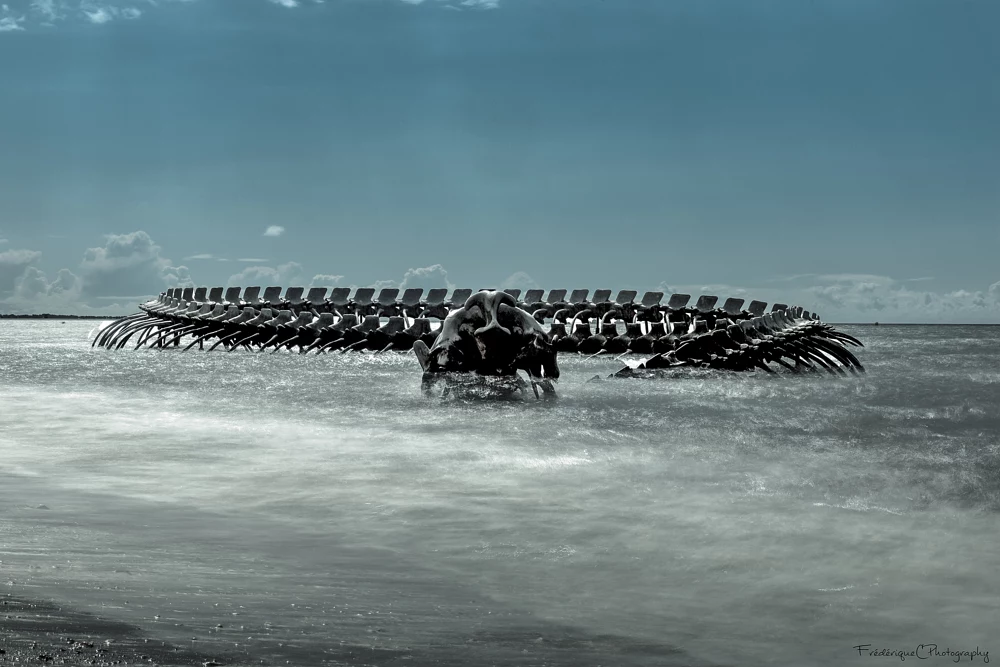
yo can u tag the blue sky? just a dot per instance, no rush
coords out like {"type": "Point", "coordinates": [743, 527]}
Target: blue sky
{"type": "Point", "coordinates": [844, 155]}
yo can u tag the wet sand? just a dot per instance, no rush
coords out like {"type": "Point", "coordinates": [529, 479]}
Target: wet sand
{"type": "Point", "coordinates": [36, 632]}
{"type": "Point", "coordinates": [65, 552]}
{"type": "Point", "coordinates": [43, 633]}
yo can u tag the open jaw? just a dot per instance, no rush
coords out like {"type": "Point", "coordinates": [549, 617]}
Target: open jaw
{"type": "Point", "coordinates": [490, 333]}
{"type": "Point", "coordinates": [489, 336]}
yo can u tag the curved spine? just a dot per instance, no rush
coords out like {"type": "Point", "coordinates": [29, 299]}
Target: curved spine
{"type": "Point", "coordinates": [669, 335]}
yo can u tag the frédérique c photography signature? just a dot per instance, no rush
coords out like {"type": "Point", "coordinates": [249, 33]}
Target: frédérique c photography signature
{"type": "Point", "coordinates": [928, 651]}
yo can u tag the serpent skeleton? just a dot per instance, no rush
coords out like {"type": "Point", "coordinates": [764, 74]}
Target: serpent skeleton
{"type": "Point", "coordinates": [492, 333]}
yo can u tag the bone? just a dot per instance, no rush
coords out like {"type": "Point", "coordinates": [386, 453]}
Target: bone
{"type": "Point", "coordinates": [340, 297]}
{"type": "Point", "coordinates": [625, 297]}
{"type": "Point", "coordinates": [727, 337]}
{"type": "Point", "coordinates": [678, 301]}
{"type": "Point", "coordinates": [251, 297]}
{"type": "Point", "coordinates": [533, 295]}
{"type": "Point", "coordinates": [293, 297]}
{"type": "Point", "coordinates": [705, 303]}
{"type": "Point", "coordinates": [460, 296]}
{"type": "Point", "coordinates": [733, 306]}
{"type": "Point", "coordinates": [602, 296]}
{"type": "Point", "coordinates": [651, 299]}
{"type": "Point", "coordinates": [557, 296]}
{"type": "Point", "coordinates": [272, 296]}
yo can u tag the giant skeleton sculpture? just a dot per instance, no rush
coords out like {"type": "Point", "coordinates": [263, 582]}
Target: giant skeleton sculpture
{"type": "Point", "coordinates": [492, 334]}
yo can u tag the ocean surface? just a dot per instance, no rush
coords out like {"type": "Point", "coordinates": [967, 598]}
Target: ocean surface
{"type": "Point", "coordinates": [280, 509]}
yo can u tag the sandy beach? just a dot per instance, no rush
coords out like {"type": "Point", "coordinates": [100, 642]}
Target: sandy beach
{"type": "Point", "coordinates": [38, 632]}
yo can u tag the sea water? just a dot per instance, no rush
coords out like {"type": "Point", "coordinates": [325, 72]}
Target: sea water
{"type": "Point", "coordinates": [291, 509]}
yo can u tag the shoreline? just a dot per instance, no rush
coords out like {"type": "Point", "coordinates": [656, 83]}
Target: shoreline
{"type": "Point", "coordinates": [49, 316]}
{"type": "Point", "coordinates": [39, 632]}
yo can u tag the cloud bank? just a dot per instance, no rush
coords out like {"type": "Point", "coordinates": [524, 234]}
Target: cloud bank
{"type": "Point", "coordinates": [125, 264]}
{"type": "Point", "coordinates": [866, 298]}
{"type": "Point", "coordinates": [134, 264]}
{"type": "Point", "coordinates": [20, 15]}
{"type": "Point", "coordinates": [519, 280]}
{"type": "Point", "coordinates": [284, 275]}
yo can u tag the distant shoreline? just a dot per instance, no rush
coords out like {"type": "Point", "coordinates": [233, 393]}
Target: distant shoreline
{"type": "Point", "coordinates": [48, 316]}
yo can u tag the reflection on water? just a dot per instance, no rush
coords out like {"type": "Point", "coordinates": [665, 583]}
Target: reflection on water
{"type": "Point", "coordinates": [318, 508]}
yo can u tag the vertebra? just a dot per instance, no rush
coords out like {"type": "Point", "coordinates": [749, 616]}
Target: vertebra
{"type": "Point", "coordinates": [675, 335]}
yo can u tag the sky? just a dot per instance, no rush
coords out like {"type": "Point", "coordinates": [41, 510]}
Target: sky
{"type": "Point", "coordinates": [843, 155]}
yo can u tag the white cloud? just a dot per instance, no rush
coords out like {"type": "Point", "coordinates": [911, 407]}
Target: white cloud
{"type": "Point", "coordinates": [12, 264]}
{"type": "Point", "coordinates": [35, 293]}
{"type": "Point", "coordinates": [18, 256]}
{"type": "Point", "coordinates": [467, 4]}
{"type": "Point", "coordinates": [519, 280]}
{"type": "Point", "coordinates": [49, 12]}
{"type": "Point", "coordinates": [128, 262]}
{"type": "Point", "coordinates": [31, 283]}
{"type": "Point", "coordinates": [99, 15]}
{"type": "Point", "coordinates": [854, 297]}
{"type": "Point", "coordinates": [104, 13]}
{"type": "Point", "coordinates": [325, 280]}
{"type": "Point", "coordinates": [283, 275]}
{"type": "Point", "coordinates": [125, 264]}
{"type": "Point", "coordinates": [201, 256]}
{"type": "Point", "coordinates": [47, 8]}
{"type": "Point", "coordinates": [176, 276]}
{"type": "Point", "coordinates": [137, 298]}
{"type": "Point", "coordinates": [11, 23]}
{"type": "Point", "coordinates": [2, 241]}
{"type": "Point", "coordinates": [121, 251]}
{"type": "Point", "coordinates": [274, 230]}
{"type": "Point", "coordinates": [34, 285]}
{"type": "Point", "coordinates": [427, 277]}
{"type": "Point", "coordinates": [255, 260]}
{"type": "Point", "coordinates": [133, 264]}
